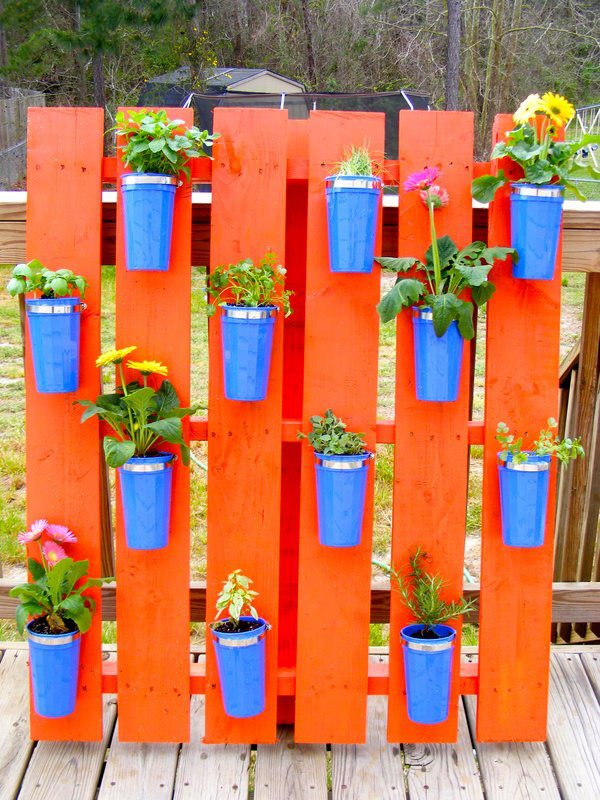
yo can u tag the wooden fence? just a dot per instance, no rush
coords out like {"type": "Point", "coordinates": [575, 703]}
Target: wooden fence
{"type": "Point", "coordinates": [13, 132]}
{"type": "Point", "coordinates": [267, 192]}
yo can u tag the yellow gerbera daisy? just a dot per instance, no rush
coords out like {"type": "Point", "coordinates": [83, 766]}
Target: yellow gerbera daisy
{"type": "Point", "coordinates": [527, 109]}
{"type": "Point", "coordinates": [557, 108]}
{"type": "Point", "coordinates": [149, 367]}
{"type": "Point", "coordinates": [114, 356]}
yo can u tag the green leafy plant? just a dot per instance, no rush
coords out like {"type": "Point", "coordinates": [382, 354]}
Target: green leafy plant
{"type": "Point", "coordinates": [54, 594]}
{"type": "Point", "coordinates": [155, 143]}
{"type": "Point", "coordinates": [420, 592]}
{"type": "Point", "coordinates": [140, 415]}
{"type": "Point", "coordinates": [34, 277]}
{"type": "Point", "coordinates": [534, 148]}
{"type": "Point", "coordinates": [447, 271]}
{"type": "Point", "coordinates": [330, 437]}
{"type": "Point", "coordinates": [357, 161]}
{"type": "Point", "coordinates": [548, 444]}
{"type": "Point", "coordinates": [236, 597]}
{"type": "Point", "coordinates": [250, 285]}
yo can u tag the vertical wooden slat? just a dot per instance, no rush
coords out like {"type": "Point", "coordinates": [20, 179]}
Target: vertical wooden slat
{"type": "Point", "coordinates": [522, 360]}
{"type": "Point", "coordinates": [153, 312]}
{"type": "Point", "coordinates": [244, 439]}
{"type": "Point", "coordinates": [340, 372]}
{"type": "Point", "coordinates": [431, 442]}
{"type": "Point", "coordinates": [64, 211]}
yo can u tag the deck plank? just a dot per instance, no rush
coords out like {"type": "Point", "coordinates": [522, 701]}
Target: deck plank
{"type": "Point", "coordinates": [511, 770]}
{"type": "Point", "coordinates": [210, 771]}
{"type": "Point", "coordinates": [290, 771]}
{"type": "Point", "coordinates": [15, 745]}
{"type": "Point", "coordinates": [573, 729]}
{"type": "Point", "coordinates": [372, 771]}
{"type": "Point", "coordinates": [591, 664]}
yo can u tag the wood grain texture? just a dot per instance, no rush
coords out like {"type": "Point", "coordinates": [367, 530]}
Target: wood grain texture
{"type": "Point", "coordinates": [522, 362]}
{"type": "Point", "coordinates": [153, 312]}
{"type": "Point", "coordinates": [290, 770]}
{"type": "Point", "coordinates": [244, 441]}
{"type": "Point", "coordinates": [15, 745]}
{"type": "Point", "coordinates": [64, 157]}
{"type": "Point", "coordinates": [591, 664]}
{"type": "Point", "coordinates": [340, 372]}
{"type": "Point", "coordinates": [431, 447]}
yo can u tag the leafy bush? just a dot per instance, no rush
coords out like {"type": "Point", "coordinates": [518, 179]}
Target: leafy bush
{"type": "Point", "coordinates": [237, 597]}
{"type": "Point", "coordinates": [34, 277]}
{"type": "Point", "coordinates": [250, 285]}
{"type": "Point", "coordinates": [548, 444]}
{"type": "Point", "coordinates": [330, 437]}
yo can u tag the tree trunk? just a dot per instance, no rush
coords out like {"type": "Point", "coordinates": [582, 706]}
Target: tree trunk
{"type": "Point", "coordinates": [3, 49]}
{"type": "Point", "coordinates": [99, 84]}
{"type": "Point", "coordinates": [453, 54]}
{"type": "Point", "coordinates": [310, 54]}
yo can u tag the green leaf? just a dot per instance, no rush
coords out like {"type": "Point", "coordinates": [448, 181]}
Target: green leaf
{"type": "Point", "coordinates": [403, 294]}
{"type": "Point", "coordinates": [485, 187]}
{"type": "Point", "coordinates": [398, 264]}
{"type": "Point", "coordinates": [445, 310]}
{"type": "Point", "coordinates": [446, 248]}
{"type": "Point", "coordinates": [36, 569]}
{"type": "Point", "coordinates": [140, 401]}
{"type": "Point", "coordinates": [56, 576]}
{"type": "Point", "coordinates": [465, 319]}
{"type": "Point", "coordinates": [491, 254]}
{"type": "Point", "coordinates": [168, 429]}
{"type": "Point", "coordinates": [481, 294]}
{"type": "Point", "coordinates": [83, 618]}
{"type": "Point", "coordinates": [60, 287]}
{"type": "Point", "coordinates": [473, 275]}
{"type": "Point", "coordinates": [539, 172]}
{"type": "Point", "coordinates": [165, 398]}
{"type": "Point", "coordinates": [155, 145]}
{"type": "Point", "coordinates": [117, 453]}
{"type": "Point", "coordinates": [77, 571]}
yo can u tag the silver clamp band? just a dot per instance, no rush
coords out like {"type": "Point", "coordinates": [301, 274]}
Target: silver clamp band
{"type": "Point", "coordinates": [235, 642]}
{"type": "Point", "coordinates": [429, 647]}
{"type": "Point", "coordinates": [239, 312]}
{"type": "Point", "coordinates": [52, 640]}
{"type": "Point", "coordinates": [137, 178]}
{"type": "Point", "coordinates": [537, 191]}
{"type": "Point", "coordinates": [352, 182]}
{"type": "Point", "coordinates": [528, 466]}
{"type": "Point", "coordinates": [146, 467]}
{"type": "Point", "coordinates": [357, 463]}
{"type": "Point", "coordinates": [51, 308]}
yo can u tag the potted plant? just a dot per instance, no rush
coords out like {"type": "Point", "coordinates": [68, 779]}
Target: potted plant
{"type": "Point", "coordinates": [54, 322]}
{"type": "Point", "coordinates": [142, 417]}
{"type": "Point", "coordinates": [61, 614]}
{"type": "Point", "coordinates": [353, 195]}
{"type": "Point", "coordinates": [428, 644]}
{"type": "Point", "coordinates": [249, 295]}
{"type": "Point", "coordinates": [442, 316]}
{"type": "Point", "coordinates": [341, 468]}
{"type": "Point", "coordinates": [524, 477]}
{"type": "Point", "coordinates": [158, 150]}
{"type": "Point", "coordinates": [239, 642]}
{"type": "Point", "coordinates": [536, 199]}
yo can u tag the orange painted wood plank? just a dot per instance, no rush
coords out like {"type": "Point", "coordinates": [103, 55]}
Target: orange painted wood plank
{"type": "Point", "coordinates": [522, 363]}
{"type": "Point", "coordinates": [340, 372]}
{"type": "Point", "coordinates": [64, 212]}
{"type": "Point", "coordinates": [432, 441]}
{"type": "Point", "coordinates": [244, 439]}
{"type": "Point", "coordinates": [153, 312]}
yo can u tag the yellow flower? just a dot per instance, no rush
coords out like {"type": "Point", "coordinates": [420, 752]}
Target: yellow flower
{"type": "Point", "coordinates": [557, 108]}
{"type": "Point", "coordinates": [149, 367]}
{"type": "Point", "coordinates": [114, 356]}
{"type": "Point", "coordinates": [527, 109]}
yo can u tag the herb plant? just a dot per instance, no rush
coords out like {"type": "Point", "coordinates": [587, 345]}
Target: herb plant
{"type": "Point", "coordinates": [236, 597]}
{"type": "Point", "coordinates": [447, 271]}
{"type": "Point", "coordinates": [531, 145]}
{"type": "Point", "coordinates": [140, 415]}
{"type": "Point", "coordinates": [548, 444]}
{"type": "Point", "coordinates": [330, 437]}
{"type": "Point", "coordinates": [250, 285]}
{"type": "Point", "coordinates": [155, 143]}
{"type": "Point", "coordinates": [34, 277]}
{"type": "Point", "coordinates": [420, 592]}
{"type": "Point", "coordinates": [356, 161]}
{"type": "Point", "coordinates": [53, 594]}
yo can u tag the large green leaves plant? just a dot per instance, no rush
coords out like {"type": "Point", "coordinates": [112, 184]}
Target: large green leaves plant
{"type": "Point", "coordinates": [548, 444]}
{"type": "Point", "coordinates": [249, 284]}
{"type": "Point", "coordinates": [34, 277]}
{"type": "Point", "coordinates": [330, 437]}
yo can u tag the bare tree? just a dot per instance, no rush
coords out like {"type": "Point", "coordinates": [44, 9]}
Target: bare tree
{"type": "Point", "coordinates": [453, 8]}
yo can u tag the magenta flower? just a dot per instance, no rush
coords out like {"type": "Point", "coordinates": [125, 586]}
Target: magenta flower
{"type": "Point", "coordinates": [53, 553]}
{"type": "Point", "coordinates": [422, 179]}
{"type": "Point", "coordinates": [437, 195]}
{"type": "Point", "coordinates": [34, 532]}
{"type": "Point", "coordinates": [60, 533]}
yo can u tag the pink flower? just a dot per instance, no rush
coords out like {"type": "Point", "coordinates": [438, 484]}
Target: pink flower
{"type": "Point", "coordinates": [34, 532]}
{"type": "Point", "coordinates": [437, 195]}
{"type": "Point", "coordinates": [422, 179]}
{"type": "Point", "coordinates": [60, 533]}
{"type": "Point", "coordinates": [53, 553]}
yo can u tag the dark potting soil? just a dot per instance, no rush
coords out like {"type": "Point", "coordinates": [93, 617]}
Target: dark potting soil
{"type": "Point", "coordinates": [245, 625]}
{"type": "Point", "coordinates": [424, 634]}
{"type": "Point", "coordinates": [40, 625]}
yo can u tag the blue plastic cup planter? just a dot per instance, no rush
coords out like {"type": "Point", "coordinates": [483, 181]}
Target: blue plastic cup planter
{"type": "Point", "coordinates": [438, 359]}
{"type": "Point", "coordinates": [148, 203]}
{"type": "Point", "coordinates": [241, 666]}
{"type": "Point", "coordinates": [535, 218]}
{"type": "Point", "coordinates": [341, 491]}
{"type": "Point", "coordinates": [247, 334]}
{"type": "Point", "coordinates": [524, 500]}
{"type": "Point", "coordinates": [54, 331]}
{"type": "Point", "coordinates": [428, 673]}
{"type": "Point", "coordinates": [54, 661]}
{"type": "Point", "coordinates": [146, 497]}
{"type": "Point", "coordinates": [352, 208]}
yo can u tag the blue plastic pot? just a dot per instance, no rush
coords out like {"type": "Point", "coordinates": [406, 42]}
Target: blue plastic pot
{"type": "Point", "coordinates": [341, 490]}
{"type": "Point", "coordinates": [146, 498]}
{"type": "Point", "coordinates": [535, 218]}
{"type": "Point", "coordinates": [54, 331]}
{"type": "Point", "coordinates": [241, 665]}
{"type": "Point", "coordinates": [54, 664]}
{"type": "Point", "coordinates": [352, 208]}
{"type": "Point", "coordinates": [148, 203]}
{"type": "Point", "coordinates": [524, 500]}
{"type": "Point", "coordinates": [247, 335]}
{"type": "Point", "coordinates": [428, 673]}
{"type": "Point", "coordinates": [438, 359]}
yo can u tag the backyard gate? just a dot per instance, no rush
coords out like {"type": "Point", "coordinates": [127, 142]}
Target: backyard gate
{"type": "Point", "coordinates": [268, 193]}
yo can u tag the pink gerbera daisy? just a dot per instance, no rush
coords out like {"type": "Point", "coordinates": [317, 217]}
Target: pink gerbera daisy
{"type": "Point", "coordinates": [34, 532]}
{"type": "Point", "coordinates": [53, 553]}
{"type": "Point", "coordinates": [60, 533]}
{"type": "Point", "coordinates": [422, 179]}
{"type": "Point", "coordinates": [437, 194]}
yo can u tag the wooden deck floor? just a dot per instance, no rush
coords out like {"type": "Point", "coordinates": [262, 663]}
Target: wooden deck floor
{"type": "Point", "coordinates": [566, 766]}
